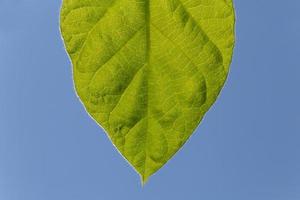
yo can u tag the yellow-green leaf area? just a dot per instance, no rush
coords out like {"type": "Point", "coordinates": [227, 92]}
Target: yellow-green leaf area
{"type": "Point", "coordinates": [148, 70]}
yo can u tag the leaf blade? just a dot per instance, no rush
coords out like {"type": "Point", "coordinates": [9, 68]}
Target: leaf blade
{"type": "Point", "coordinates": [148, 71]}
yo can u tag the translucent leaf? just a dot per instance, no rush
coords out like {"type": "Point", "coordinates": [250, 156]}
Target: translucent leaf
{"type": "Point", "coordinates": [148, 70]}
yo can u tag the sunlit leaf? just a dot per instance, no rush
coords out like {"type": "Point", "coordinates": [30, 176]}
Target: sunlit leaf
{"type": "Point", "coordinates": [148, 70]}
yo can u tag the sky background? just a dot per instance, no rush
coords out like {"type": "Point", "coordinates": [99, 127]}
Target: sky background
{"type": "Point", "coordinates": [248, 146]}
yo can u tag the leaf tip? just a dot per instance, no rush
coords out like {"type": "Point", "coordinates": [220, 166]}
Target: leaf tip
{"type": "Point", "coordinates": [144, 179]}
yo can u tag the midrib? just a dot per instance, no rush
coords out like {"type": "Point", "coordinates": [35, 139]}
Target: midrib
{"type": "Point", "coordinates": [147, 70]}
{"type": "Point", "coordinates": [147, 20]}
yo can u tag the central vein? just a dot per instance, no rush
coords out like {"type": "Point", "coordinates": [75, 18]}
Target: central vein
{"type": "Point", "coordinates": [147, 21]}
{"type": "Point", "coordinates": [146, 76]}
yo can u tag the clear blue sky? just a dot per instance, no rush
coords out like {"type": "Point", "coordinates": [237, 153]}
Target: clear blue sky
{"type": "Point", "coordinates": [247, 148]}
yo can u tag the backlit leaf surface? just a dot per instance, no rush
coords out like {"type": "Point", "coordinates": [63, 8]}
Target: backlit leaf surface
{"type": "Point", "coordinates": [148, 70]}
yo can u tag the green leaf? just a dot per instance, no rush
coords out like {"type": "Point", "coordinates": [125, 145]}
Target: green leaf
{"type": "Point", "coordinates": [148, 70]}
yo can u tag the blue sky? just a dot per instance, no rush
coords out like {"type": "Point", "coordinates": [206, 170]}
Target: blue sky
{"type": "Point", "coordinates": [246, 148]}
